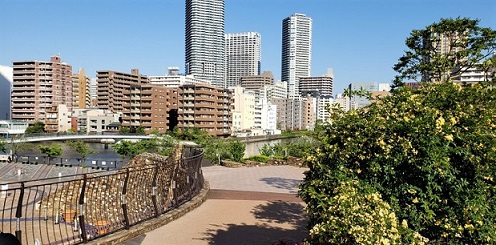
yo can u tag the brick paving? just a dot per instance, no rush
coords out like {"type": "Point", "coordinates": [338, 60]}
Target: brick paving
{"type": "Point", "coordinates": [252, 205]}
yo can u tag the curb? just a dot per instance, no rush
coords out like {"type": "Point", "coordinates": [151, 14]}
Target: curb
{"type": "Point", "coordinates": [122, 236]}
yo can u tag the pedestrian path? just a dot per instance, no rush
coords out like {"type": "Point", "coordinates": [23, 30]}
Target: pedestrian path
{"type": "Point", "coordinates": [252, 205]}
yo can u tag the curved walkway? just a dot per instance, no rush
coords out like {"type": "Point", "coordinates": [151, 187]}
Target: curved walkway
{"type": "Point", "coordinates": [252, 205]}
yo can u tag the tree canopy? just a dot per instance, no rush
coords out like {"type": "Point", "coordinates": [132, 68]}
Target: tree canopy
{"type": "Point", "coordinates": [37, 128]}
{"type": "Point", "coordinates": [51, 150]}
{"type": "Point", "coordinates": [81, 148]}
{"type": "Point", "coordinates": [444, 50]}
{"type": "Point", "coordinates": [429, 154]}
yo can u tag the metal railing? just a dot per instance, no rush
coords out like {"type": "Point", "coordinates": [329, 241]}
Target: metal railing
{"type": "Point", "coordinates": [79, 208]}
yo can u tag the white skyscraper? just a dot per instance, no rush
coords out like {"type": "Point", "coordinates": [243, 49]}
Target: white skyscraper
{"type": "Point", "coordinates": [296, 50]}
{"type": "Point", "coordinates": [243, 54]}
{"type": "Point", "coordinates": [204, 40]}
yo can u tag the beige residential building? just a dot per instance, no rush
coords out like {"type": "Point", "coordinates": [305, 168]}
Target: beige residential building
{"type": "Point", "coordinates": [111, 86]}
{"type": "Point", "coordinates": [257, 83]}
{"type": "Point", "coordinates": [38, 86]}
{"type": "Point", "coordinates": [57, 119]}
{"type": "Point", "coordinates": [153, 107]}
{"type": "Point", "coordinates": [81, 90]}
{"type": "Point", "coordinates": [205, 107]}
{"type": "Point", "coordinates": [244, 109]}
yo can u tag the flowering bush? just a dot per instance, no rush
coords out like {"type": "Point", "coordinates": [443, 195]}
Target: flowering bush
{"type": "Point", "coordinates": [425, 156]}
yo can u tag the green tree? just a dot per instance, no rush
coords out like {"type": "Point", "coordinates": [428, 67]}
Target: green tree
{"type": "Point", "coordinates": [429, 154]}
{"type": "Point", "coordinates": [3, 145]}
{"type": "Point", "coordinates": [37, 128]}
{"type": "Point", "coordinates": [140, 130]}
{"type": "Point", "coordinates": [468, 46]}
{"type": "Point", "coordinates": [81, 148]}
{"type": "Point", "coordinates": [124, 130]}
{"type": "Point", "coordinates": [16, 145]}
{"type": "Point", "coordinates": [129, 149]}
{"type": "Point", "coordinates": [51, 150]}
{"type": "Point", "coordinates": [236, 149]}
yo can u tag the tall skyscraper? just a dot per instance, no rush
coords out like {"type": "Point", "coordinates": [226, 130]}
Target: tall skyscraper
{"type": "Point", "coordinates": [204, 40]}
{"type": "Point", "coordinates": [242, 56]}
{"type": "Point", "coordinates": [296, 50]}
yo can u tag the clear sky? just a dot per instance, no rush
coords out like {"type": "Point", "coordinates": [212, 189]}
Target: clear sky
{"type": "Point", "coordinates": [360, 39]}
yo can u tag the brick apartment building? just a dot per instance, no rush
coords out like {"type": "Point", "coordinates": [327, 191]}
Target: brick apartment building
{"type": "Point", "coordinates": [152, 106]}
{"type": "Point", "coordinates": [111, 86]}
{"type": "Point", "coordinates": [205, 107]}
{"type": "Point", "coordinates": [38, 86]}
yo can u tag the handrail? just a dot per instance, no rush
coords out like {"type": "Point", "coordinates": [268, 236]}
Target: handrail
{"type": "Point", "coordinates": [80, 208]}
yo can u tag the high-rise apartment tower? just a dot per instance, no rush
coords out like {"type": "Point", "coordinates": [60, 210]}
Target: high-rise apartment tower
{"type": "Point", "coordinates": [296, 50]}
{"type": "Point", "coordinates": [38, 86]}
{"type": "Point", "coordinates": [242, 56]}
{"type": "Point", "coordinates": [204, 40]}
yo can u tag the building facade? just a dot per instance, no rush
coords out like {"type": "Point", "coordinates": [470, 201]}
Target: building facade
{"type": "Point", "coordinates": [296, 50]}
{"type": "Point", "coordinates": [111, 86]}
{"type": "Point", "coordinates": [6, 92]}
{"type": "Point", "coordinates": [174, 79]}
{"type": "Point", "coordinates": [243, 56]}
{"type": "Point", "coordinates": [95, 121]}
{"type": "Point", "coordinates": [204, 40]}
{"type": "Point", "coordinates": [58, 119]}
{"type": "Point", "coordinates": [243, 114]}
{"type": "Point", "coordinates": [81, 90]}
{"type": "Point", "coordinates": [257, 82]}
{"type": "Point", "coordinates": [38, 86]}
{"type": "Point", "coordinates": [323, 85]}
{"type": "Point", "coordinates": [205, 107]}
{"type": "Point", "coordinates": [151, 107]}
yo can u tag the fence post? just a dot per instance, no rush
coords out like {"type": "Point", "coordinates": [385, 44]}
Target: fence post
{"type": "Point", "coordinates": [81, 209]}
{"type": "Point", "coordinates": [154, 190]}
{"type": "Point", "coordinates": [18, 232]}
{"type": "Point", "coordinates": [124, 201]}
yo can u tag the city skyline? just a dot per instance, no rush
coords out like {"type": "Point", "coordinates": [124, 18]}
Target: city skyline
{"type": "Point", "coordinates": [360, 40]}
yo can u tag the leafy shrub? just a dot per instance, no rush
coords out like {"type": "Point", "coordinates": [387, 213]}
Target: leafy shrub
{"type": "Point", "coordinates": [430, 154]}
{"type": "Point", "coordinates": [236, 150]}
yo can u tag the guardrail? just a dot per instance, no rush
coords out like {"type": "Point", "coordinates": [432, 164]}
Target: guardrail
{"type": "Point", "coordinates": [108, 164]}
{"type": "Point", "coordinates": [79, 208]}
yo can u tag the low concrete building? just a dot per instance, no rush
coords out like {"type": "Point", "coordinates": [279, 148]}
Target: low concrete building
{"type": "Point", "coordinates": [9, 128]}
{"type": "Point", "coordinates": [95, 121]}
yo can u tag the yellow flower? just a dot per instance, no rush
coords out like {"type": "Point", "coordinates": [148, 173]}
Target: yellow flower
{"type": "Point", "coordinates": [469, 227]}
{"type": "Point", "coordinates": [404, 223]}
{"type": "Point", "coordinates": [415, 200]}
{"type": "Point", "coordinates": [440, 122]}
{"type": "Point", "coordinates": [449, 137]}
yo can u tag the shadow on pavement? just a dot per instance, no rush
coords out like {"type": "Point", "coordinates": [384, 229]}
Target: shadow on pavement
{"type": "Point", "coordinates": [136, 241]}
{"type": "Point", "coordinates": [282, 183]}
{"type": "Point", "coordinates": [270, 217]}
{"type": "Point", "coordinates": [228, 234]}
{"type": "Point", "coordinates": [282, 213]}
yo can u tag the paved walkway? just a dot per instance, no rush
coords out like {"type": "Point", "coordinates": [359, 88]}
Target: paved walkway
{"type": "Point", "coordinates": [252, 205]}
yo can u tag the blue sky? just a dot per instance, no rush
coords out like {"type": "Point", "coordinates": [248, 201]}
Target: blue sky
{"type": "Point", "coordinates": [361, 40]}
